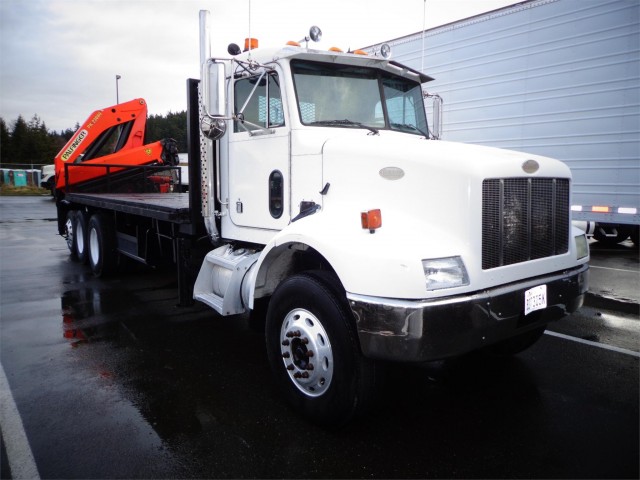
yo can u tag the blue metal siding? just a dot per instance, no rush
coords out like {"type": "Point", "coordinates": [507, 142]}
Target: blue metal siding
{"type": "Point", "coordinates": [552, 77]}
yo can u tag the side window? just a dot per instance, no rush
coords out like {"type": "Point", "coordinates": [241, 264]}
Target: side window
{"type": "Point", "coordinates": [401, 110]}
{"type": "Point", "coordinates": [260, 102]}
{"type": "Point", "coordinates": [404, 105]}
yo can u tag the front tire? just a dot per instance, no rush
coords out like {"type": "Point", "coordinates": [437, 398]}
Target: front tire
{"type": "Point", "coordinates": [101, 246]}
{"type": "Point", "coordinates": [314, 352]}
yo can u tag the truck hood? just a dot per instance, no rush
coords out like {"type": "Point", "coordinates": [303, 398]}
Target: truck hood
{"type": "Point", "coordinates": [424, 159]}
{"type": "Point", "coordinates": [430, 196]}
{"type": "Point", "coordinates": [422, 181]}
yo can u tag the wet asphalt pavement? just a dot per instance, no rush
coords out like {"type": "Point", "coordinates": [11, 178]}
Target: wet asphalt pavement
{"type": "Point", "coordinates": [112, 380]}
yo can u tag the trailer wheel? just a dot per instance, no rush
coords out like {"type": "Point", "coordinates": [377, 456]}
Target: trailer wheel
{"type": "Point", "coordinates": [314, 352]}
{"type": "Point", "coordinates": [610, 235]}
{"type": "Point", "coordinates": [80, 239]}
{"type": "Point", "coordinates": [101, 245]}
{"type": "Point", "coordinates": [69, 233]}
{"type": "Point", "coordinates": [635, 235]}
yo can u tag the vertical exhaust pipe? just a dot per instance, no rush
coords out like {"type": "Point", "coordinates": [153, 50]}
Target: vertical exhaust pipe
{"type": "Point", "coordinates": [205, 37]}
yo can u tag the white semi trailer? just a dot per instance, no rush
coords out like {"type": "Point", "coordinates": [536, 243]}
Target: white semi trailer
{"type": "Point", "coordinates": [553, 77]}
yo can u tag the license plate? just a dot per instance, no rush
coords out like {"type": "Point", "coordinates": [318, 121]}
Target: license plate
{"type": "Point", "coordinates": [535, 299]}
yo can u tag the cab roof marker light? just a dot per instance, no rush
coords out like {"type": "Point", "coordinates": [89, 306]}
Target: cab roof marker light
{"type": "Point", "coordinates": [291, 43]}
{"type": "Point", "coordinates": [336, 49]}
{"type": "Point", "coordinates": [600, 209]}
{"type": "Point", "coordinates": [360, 52]}
{"type": "Point", "coordinates": [576, 208]}
{"type": "Point", "coordinates": [628, 210]}
{"type": "Point", "coordinates": [250, 44]}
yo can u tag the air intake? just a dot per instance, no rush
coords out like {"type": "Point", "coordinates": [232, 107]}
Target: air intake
{"type": "Point", "coordinates": [523, 219]}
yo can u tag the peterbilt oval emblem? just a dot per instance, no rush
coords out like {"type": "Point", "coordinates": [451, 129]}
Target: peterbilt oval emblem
{"type": "Point", "coordinates": [530, 166]}
{"type": "Point", "coordinates": [392, 173]}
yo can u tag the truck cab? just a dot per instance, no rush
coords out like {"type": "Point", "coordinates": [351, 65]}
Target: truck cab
{"type": "Point", "coordinates": [328, 198]}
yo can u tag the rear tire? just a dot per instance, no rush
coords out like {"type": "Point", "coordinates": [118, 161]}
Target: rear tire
{"type": "Point", "coordinates": [69, 233]}
{"type": "Point", "coordinates": [313, 350]}
{"type": "Point", "coordinates": [80, 239]}
{"type": "Point", "coordinates": [101, 246]}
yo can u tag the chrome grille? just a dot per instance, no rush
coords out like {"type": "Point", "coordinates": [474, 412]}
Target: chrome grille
{"type": "Point", "coordinates": [523, 219]}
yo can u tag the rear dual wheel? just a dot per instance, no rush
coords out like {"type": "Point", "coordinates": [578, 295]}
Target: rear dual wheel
{"type": "Point", "coordinates": [70, 232]}
{"type": "Point", "coordinates": [101, 245]}
{"type": "Point", "coordinates": [76, 234]}
{"type": "Point", "coordinates": [81, 236]}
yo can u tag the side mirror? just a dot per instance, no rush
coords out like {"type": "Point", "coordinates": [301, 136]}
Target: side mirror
{"type": "Point", "coordinates": [213, 77]}
{"type": "Point", "coordinates": [213, 128]}
{"type": "Point", "coordinates": [436, 119]}
{"type": "Point", "coordinates": [213, 124]}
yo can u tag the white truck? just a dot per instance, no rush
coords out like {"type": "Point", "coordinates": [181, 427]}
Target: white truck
{"type": "Point", "coordinates": [552, 77]}
{"type": "Point", "coordinates": [328, 205]}
{"type": "Point", "coordinates": [48, 178]}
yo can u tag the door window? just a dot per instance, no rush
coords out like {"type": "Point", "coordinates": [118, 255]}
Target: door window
{"type": "Point", "coordinates": [258, 100]}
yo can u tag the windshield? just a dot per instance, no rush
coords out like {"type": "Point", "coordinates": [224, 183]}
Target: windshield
{"type": "Point", "coordinates": [350, 96]}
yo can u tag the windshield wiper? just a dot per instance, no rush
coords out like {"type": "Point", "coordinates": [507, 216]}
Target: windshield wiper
{"type": "Point", "coordinates": [345, 122]}
{"type": "Point", "coordinates": [409, 127]}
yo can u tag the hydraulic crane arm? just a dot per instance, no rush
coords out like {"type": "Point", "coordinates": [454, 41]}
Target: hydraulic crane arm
{"type": "Point", "coordinates": [115, 136]}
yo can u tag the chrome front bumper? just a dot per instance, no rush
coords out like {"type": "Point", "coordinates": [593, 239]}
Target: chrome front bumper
{"type": "Point", "coordinates": [421, 330]}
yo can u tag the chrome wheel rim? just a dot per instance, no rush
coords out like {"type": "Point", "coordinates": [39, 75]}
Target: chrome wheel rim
{"type": "Point", "coordinates": [68, 226]}
{"type": "Point", "coordinates": [306, 352]}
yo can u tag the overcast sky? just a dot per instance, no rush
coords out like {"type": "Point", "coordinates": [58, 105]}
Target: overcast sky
{"type": "Point", "coordinates": [59, 58]}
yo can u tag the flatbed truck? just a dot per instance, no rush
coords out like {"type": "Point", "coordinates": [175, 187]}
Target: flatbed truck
{"type": "Point", "coordinates": [320, 199]}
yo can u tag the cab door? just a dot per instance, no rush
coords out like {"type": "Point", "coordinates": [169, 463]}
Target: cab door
{"type": "Point", "coordinates": [259, 154]}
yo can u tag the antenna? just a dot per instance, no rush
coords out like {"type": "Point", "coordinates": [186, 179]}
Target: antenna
{"type": "Point", "coordinates": [250, 42]}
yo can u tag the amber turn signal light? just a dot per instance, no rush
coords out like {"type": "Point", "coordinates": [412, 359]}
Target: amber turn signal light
{"type": "Point", "coordinates": [371, 220]}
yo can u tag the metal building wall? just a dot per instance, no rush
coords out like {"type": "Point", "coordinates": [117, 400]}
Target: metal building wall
{"type": "Point", "coordinates": [552, 77]}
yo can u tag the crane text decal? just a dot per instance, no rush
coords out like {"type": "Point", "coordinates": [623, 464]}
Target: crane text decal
{"type": "Point", "coordinates": [74, 145]}
{"type": "Point", "coordinates": [95, 119]}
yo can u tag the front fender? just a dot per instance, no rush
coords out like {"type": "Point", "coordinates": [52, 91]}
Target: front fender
{"type": "Point", "coordinates": [385, 263]}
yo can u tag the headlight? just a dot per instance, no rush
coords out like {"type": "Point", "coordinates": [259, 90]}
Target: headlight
{"type": "Point", "coordinates": [582, 246]}
{"type": "Point", "coordinates": [445, 273]}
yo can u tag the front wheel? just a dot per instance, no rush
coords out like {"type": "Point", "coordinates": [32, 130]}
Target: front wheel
{"type": "Point", "coordinates": [314, 352]}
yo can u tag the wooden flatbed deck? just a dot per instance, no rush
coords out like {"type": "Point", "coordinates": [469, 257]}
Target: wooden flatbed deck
{"type": "Point", "coordinates": [170, 207]}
